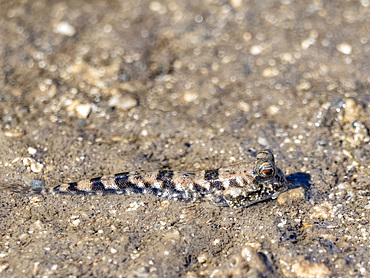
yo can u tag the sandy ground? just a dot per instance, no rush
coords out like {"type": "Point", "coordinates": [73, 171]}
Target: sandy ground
{"type": "Point", "coordinates": [100, 87]}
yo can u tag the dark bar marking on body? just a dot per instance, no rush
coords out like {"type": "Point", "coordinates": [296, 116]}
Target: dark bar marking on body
{"type": "Point", "coordinates": [234, 183]}
{"type": "Point", "coordinates": [121, 179]}
{"type": "Point", "coordinates": [72, 186]}
{"type": "Point", "coordinates": [96, 184]}
{"type": "Point", "coordinates": [211, 175]}
{"type": "Point", "coordinates": [132, 188]}
{"type": "Point", "coordinates": [164, 174]}
{"type": "Point", "coordinates": [137, 190]}
{"type": "Point", "coordinates": [199, 188]}
{"type": "Point", "coordinates": [168, 185]}
{"type": "Point", "coordinates": [151, 190]}
{"type": "Point", "coordinates": [217, 185]}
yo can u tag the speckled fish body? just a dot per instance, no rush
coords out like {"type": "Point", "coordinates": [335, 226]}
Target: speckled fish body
{"type": "Point", "coordinates": [237, 186]}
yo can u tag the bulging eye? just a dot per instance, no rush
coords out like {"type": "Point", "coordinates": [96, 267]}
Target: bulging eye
{"type": "Point", "coordinates": [266, 170]}
{"type": "Point", "coordinates": [265, 154]}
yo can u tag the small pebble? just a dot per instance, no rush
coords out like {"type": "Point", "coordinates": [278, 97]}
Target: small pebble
{"type": "Point", "coordinates": [322, 142]}
{"type": "Point", "coordinates": [202, 258]}
{"type": "Point", "coordinates": [27, 161]}
{"type": "Point", "coordinates": [156, 6]}
{"type": "Point", "coordinates": [36, 268]}
{"type": "Point", "coordinates": [352, 111]}
{"type": "Point", "coordinates": [361, 133]}
{"type": "Point", "coordinates": [76, 222]}
{"type": "Point", "coordinates": [83, 110]}
{"type": "Point", "coordinates": [37, 184]}
{"type": "Point", "coordinates": [190, 96]}
{"type": "Point", "coordinates": [344, 48]}
{"type": "Point", "coordinates": [124, 102]}
{"type": "Point", "coordinates": [273, 110]}
{"type": "Point", "coordinates": [35, 166]}
{"type": "Point", "coordinates": [244, 106]}
{"type": "Point", "coordinates": [38, 224]}
{"type": "Point", "coordinates": [3, 267]}
{"type": "Point", "coordinates": [256, 49]}
{"type": "Point", "coordinates": [287, 57]}
{"type": "Point", "coordinates": [236, 3]}
{"type": "Point", "coordinates": [294, 195]}
{"type": "Point", "coordinates": [322, 211]}
{"type": "Point", "coordinates": [191, 275]}
{"type": "Point", "coordinates": [270, 72]}
{"type": "Point", "coordinates": [12, 134]}
{"type": "Point", "coordinates": [172, 237]}
{"type": "Point", "coordinates": [65, 29]}
{"type": "Point", "coordinates": [31, 151]}
{"type": "Point", "coordinates": [262, 141]}
{"type": "Point", "coordinates": [304, 86]}
{"type": "Point", "coordinates": [256, 245]}
{"type": "Point", "coordinates": [308, 269]}
{"type": "Point", "coordinates": [8, 118]}
{"type": "Point", "coordinates": [305, 44]}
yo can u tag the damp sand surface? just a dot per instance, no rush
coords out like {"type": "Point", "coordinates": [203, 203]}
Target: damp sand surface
{"type": "Point", "coordinates": [103, 87]}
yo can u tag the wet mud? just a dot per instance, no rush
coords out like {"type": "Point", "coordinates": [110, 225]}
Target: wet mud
{"type": "Point", "coordinates": [92, 88]}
